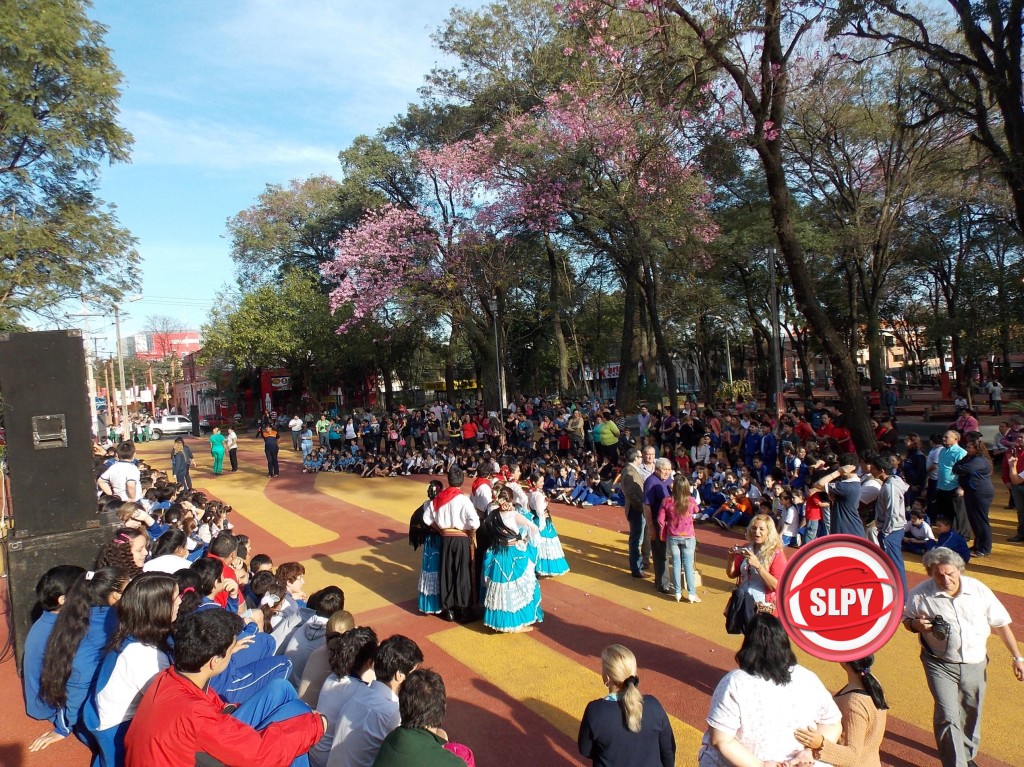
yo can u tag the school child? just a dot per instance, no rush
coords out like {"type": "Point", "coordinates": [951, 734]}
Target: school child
{"type": "Point", "coordinates": [946, 536]}
{"type": "Point", "coordinates": [917, 532]}
{"type": "Point", "coordinates": [790, 518]}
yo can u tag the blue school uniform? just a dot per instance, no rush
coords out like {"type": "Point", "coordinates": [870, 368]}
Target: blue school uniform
{"type": "Point", "coordinates": [952, 540]}
{"type": "Point", "coordinates": [35, 648]}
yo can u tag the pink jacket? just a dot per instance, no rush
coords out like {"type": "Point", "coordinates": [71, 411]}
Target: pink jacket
{"type": "Point", "coordinates": [673, 524]}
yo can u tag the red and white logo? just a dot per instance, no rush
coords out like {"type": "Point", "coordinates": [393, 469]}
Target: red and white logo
{"type": "Point", "coordinates": [840, 598]}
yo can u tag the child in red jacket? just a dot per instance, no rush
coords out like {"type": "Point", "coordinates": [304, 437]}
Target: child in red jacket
{"type": "Point", "coordinates": [181, 721]}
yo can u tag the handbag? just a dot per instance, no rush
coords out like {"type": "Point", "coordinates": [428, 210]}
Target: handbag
{"type": "Point", "coordinates": [739, 611]}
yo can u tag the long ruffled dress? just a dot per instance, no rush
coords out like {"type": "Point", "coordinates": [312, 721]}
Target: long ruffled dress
{"type": "Point", "coordinates": [430, 579]}
{"type": "Point", "coordinates": [512, 597]}
{"type": "Point", "coordinates": [551, 561]}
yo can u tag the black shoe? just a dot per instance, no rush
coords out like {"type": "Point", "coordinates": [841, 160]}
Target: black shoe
{"type": "Point", "coordinates": [975, 554]}
{"type": "Point", "coordinates": [1016, 539]}
{"type": "Point", "coordinates": [446, 615]}
{"type": "Point", "coordinates": [640, 574]}
{"type": "Point", "coordinates": [666, 591]}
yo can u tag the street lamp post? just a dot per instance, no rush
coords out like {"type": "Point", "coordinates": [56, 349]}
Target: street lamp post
{"type": "Point", "coordinates": [120, 369]}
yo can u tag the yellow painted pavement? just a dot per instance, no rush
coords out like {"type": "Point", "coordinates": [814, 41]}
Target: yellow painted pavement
{"type": "Point", "coordinates": [556, 687]}
{"type": "Point", "coordinates": [244, 490]}
{"type": "Point", "coordinates": [543, 680]}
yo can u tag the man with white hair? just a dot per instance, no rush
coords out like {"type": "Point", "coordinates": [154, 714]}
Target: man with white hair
{"type": "Point", "coordinates": [657, 488]}
{"type": "Point", "coordinates": [954, 615]}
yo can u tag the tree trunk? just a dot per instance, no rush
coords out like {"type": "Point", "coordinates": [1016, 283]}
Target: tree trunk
{"type": "Point", "coordinates": [625, 393]}
{"type": "Point", "coordinates": [876, 348]}
{"type": "Point", "coordinates": [844, 371]}
{"type": "Point", "coordinates": [555, 306]}
{"type": "Point", "coordinates": [650, 286]}
{"type": "Point", "coordinates": [449, 367]}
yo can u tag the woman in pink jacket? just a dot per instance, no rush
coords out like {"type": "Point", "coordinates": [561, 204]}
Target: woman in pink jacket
{"type": "Point", "coordinates": [675, 524]}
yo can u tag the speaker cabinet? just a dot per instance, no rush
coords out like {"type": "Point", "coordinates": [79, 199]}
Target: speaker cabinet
{"type": "Point", "coordinates": [49, 438]}
{"type": "Point", "coordinates": [28, 559]}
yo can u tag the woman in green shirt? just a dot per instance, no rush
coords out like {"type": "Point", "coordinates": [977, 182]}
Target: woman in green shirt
{"type": "Point", "coordinates": [217, 450]}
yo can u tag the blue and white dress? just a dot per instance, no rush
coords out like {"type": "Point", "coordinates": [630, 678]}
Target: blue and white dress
{"type": "Point", "coordinates": [551, 560]}
{"type": "Point", "coordinates": [512, 596]}
{"type": "Point", "coordinates": [430, 575]}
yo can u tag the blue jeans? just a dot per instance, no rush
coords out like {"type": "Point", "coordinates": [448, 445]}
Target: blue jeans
{"type": "Point", "coordinates": [892, 545]}
{"type": "Point", "coordinates": [810, 531]}
{"type": "Point", "coordinates": [276, 702]}
{"type": "Point", "coordinates": [636, 531]}
{"type": "Point", "coordinates": [682, 549]}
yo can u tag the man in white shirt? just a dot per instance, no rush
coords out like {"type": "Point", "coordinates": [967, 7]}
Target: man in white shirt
{"type": "Point", "coordinates": [454, 516]}
{"type": "Point", "coordinates": [371, 713]}
{"type": "Point", "coordinates": [123, 477]}
{"type": "Point", "coordinates": [482, 494]}
{"type": "Point", "coordinates": [295, 425]}
{"type": "Point", "coordinates": [357, 648]}
{"type": "Point", "coordinates": [954, 615]}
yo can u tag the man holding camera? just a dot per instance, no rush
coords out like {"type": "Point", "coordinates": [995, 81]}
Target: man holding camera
{"type": "Point", "coordinates": [954, 615]}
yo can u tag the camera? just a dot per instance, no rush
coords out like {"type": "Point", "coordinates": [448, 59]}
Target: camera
{"type": "Point", "coordinates": [940, 629]}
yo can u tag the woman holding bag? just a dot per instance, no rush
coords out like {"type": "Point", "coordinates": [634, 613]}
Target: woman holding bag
{"type": "Point", "coordinates": [758, 566]}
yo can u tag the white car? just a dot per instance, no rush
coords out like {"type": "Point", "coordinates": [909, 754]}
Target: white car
{"type": "Point", "coordinates": [170, 424]}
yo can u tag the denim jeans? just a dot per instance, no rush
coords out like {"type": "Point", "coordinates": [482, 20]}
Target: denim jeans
{"type": "Point", "coordinates": [682, 549]}
{"type": "Point", "coordinates": [892, 545]}
{"type": "Point", "coordinates": [636, 531]}
{"type": "Point", "coordinates": [810, 531]}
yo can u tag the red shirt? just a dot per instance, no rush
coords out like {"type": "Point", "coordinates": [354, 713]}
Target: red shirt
{"type": "Point", "coordinates": [812, 507]}
{"type": "Point", "coordinates": [228, 574]}
{"type": "Point", "coordinates": [469, 430]}
{"type": "Point", "coordinates": [176, 721]}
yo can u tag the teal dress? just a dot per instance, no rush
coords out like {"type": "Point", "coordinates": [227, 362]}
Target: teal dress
{"type": "Point", "coordinates": [512, 592]}
{"type": "Point", "coordinates": [217, 450]}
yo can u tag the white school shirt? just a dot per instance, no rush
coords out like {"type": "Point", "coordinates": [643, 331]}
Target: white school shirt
{"type": "Point", "coordinates": [333, 696]}
{"type": "Point", "coordinates": [367, 717]}
{"type": "Point", "coordinates": [134, 669]}
{"type": "Point", "coordinates": [119, 475]}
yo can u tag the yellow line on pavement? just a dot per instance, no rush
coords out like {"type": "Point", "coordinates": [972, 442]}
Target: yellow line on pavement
{"type": "Point", "coordinates": [243, 491]}
{"type": "Point", "coordinates": [545, 681]}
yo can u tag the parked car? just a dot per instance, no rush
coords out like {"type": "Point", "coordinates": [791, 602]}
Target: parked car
{"type": "Point", "coordinates": [170, 425]}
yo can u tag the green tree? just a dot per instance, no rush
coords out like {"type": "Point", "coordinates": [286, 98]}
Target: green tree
{"type": "Point", "coordinates": [58, 109]}
{"type": "Point", "coordinates": [290, 227]}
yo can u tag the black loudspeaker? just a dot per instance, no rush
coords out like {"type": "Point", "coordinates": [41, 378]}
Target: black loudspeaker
{"type": "Point", "coordinates": [49, 438]}
{"type": "Point", "coordinates": [28, 559]}
{"type": "Point", "coordinates": [193, 416]}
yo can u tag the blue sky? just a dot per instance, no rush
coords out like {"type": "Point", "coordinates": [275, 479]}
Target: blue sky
{"type": "Point", "coordinates": [225, 97]}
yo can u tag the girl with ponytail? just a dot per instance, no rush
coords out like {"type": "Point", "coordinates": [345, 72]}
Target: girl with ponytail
{"type": "Point", "coordinates": [625, 728]}
{"type": "Point", "coordinates": [75, 648]}
{"type": "Point", "coordinates": [863, 706]}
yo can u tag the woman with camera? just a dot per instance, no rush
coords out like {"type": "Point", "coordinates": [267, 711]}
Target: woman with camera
{"type": "Point", "coordinates": [760, 563]}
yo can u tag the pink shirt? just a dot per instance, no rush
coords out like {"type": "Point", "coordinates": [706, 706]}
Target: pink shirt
{"type": "Point", "coordinates": [671, 523]}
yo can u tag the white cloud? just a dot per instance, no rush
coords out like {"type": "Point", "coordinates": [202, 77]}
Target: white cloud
{"type": "Point", "coordinates": [209, 144]}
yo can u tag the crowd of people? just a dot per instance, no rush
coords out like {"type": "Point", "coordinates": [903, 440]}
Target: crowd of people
{"type": "Point", "coordinates": [783, 481]}
{"type": "Point", "coordinates": [181, 646]}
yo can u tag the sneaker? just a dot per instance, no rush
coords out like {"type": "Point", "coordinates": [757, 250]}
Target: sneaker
{"type": "Point", "coordinates": [585, 504]}
{"type": "Point", "coordinates": [721, 524]}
